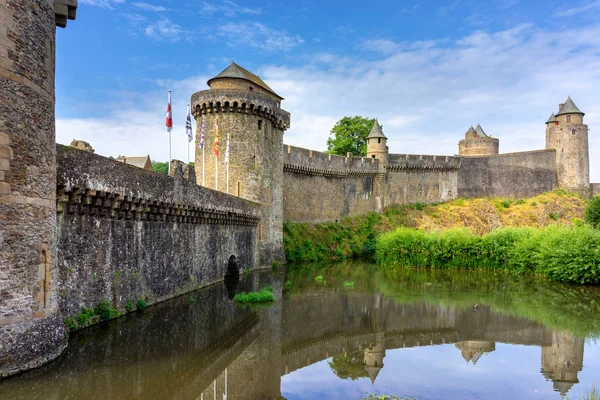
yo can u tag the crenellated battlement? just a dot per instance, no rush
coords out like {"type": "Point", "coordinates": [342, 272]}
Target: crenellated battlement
{"type": "Point", "coordinates": [215, 101]}
{"type": "Point", "coordinates": [416, 162]}
{"type": "Point", "coordinates": [315, 163]}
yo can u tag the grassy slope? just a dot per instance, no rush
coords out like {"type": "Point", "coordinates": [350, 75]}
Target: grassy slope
{"type": "Point", "coordinates": [355, 236]}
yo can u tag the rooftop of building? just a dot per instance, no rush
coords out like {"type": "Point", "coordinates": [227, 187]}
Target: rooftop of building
{"type": "Point", "coordinates": [569, 107]}
{"type": "Point", "coordinates": [236, 71]}
{"type": "Point", "coordinates": [376, 131]}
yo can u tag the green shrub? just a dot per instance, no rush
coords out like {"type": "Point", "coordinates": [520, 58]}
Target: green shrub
{"type": "Point", "coordinates": [592, 212]}
{"type": "Point", "coordinates": [554, 216]}
{"type": "Point", "coordinates": [560, 253]}
{"type": "Point", "coordinates": [106, 311]}
{"type": "Point", "coordinates": [275, 266]}
{"type": "Point", "coordinates": [192, 299]}
{"type": "Point", "coordinates": [141, 304]}
{"type": "Point", "coordinates": [533, 204]}
{"type": "Point", "coordinates": [264, 296]}
{"type": "Point", "coordinates": [129, 306]}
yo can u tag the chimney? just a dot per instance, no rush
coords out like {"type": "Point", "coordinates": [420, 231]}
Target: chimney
{"type": "Point", "coordinates": [560, 106]}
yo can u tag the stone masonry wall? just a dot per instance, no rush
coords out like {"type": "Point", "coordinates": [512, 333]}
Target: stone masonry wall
{"type": "Point", "coordinates": [125, 233]}
{"type": "Point", "coordinates": [420, 179]}
{"type": "Point", "coordinates": [516, 175]}
{"type": "Point", "coordinates": [595, 188]}
{"type": "Point", "coordinates": [319, 187]}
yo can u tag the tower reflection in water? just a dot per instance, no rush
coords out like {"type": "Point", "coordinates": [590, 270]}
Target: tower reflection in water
{"type": "Point", "coordinates": [214, 349]}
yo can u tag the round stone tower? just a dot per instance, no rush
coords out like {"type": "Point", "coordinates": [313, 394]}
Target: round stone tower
{"type": "Point", "coordinates": [478, 143]}
{"type": "Point", "coordinates": [568, 135]}
{"type": "Point", "coordinates": [377, 144]}
{"type": "Point", "coordinates": [241, 105]}
{"type": "Point", "coordinates": [31, 328]}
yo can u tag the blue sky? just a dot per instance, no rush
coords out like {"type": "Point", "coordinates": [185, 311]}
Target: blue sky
{"type": "Point", "coordinates": [426, 69]}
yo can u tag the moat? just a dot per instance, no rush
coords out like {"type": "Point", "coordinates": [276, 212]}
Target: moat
{"type": "Point", "coordinates": [340, 332]}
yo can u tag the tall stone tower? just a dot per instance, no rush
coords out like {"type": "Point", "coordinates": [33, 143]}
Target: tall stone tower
{"type": "Point", "coordinates": [567, 134]}
{"type": "Point", "coordinates": [31, 328]}
{"type": "Point", "coordinates": [247, 109]}
{"type": "Point", "coordinates": [563, 360]}
{"type": "Point", "coordinates": [478, 143]}
{"type": "Point", "coordinates": [377, 144]}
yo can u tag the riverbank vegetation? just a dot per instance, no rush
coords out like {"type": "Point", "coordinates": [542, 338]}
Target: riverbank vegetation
{"type": "Point", "coordinates": [265, 295]}
{"type": "Point", "coordinates": [561, 253]}
{"type": "Point", "coordinates": [355, 237]}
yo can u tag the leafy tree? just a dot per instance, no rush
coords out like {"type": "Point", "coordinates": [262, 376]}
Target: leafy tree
{"type": "Point", "coordinates": [161, 167]}
{"type": "Point", "coordinates": [349, 366]}
{"type": "Point", "coordinates": [592, 213]}
{"type": "Point", "coordinates": [349, 135]}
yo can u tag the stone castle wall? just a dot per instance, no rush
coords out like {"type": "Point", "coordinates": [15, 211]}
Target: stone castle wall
{"type": "Point", "coordinates": [595, 189]}
{"type": "Point", "coordinates": [124, 233]}
{"type": "Point", "coordinates": [319, 187]}
{"type": "Point", "coordinates": [523, 174]}
{"type": "Point", "coordinates": [482, 146]}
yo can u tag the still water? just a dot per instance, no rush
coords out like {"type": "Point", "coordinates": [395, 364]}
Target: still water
{"type": "Point", "coordinates": [423, 334]}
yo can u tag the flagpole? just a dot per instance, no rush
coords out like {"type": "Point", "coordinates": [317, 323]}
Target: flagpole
{"type": "Point", "coordinates": [203, 166]}
{"type": "Point", "coordinates": [170, 159]}
{"type": "Point", "coordinates": [216, 172]}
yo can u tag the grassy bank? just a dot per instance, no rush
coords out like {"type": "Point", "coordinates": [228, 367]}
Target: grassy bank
{"type": "Point", "coordinates": [561, 253]}
{"type": "Point", "coordinates": [355, 237]}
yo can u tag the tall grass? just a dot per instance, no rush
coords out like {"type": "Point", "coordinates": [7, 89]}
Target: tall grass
{"type": "Point", "coordinates": [560, 253]}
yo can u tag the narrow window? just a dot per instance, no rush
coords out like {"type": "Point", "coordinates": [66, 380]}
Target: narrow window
{"type": "Point", "coordinates": [568, 119]}
{"type": "Point", "coordinates": [573, 132]}
{"type": "Point", "coordinates": [259, 124]}
{"type": "Point", "coordinates": [378, 140]}
{"type": "Point", "coordinates": [373, 156]}
{"type": "Point", "coordinates": [239, 189]}
{"type": "Point", "coordinates": [251, 88]}
{"type": "Point", "coordinates": [556, 123]}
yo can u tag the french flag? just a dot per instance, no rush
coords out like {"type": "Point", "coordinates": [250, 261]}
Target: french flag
{"type": "Point", "coordinates": [169, 121]}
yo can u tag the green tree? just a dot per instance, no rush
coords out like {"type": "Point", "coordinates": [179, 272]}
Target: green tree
{"type": "Point", "coordinates": [349, 135]}
{"type": "Point", "coordinates": [592, 212]}
{"type": "Point", "coordinates": [349, 366]}
{"type": "Point", "coordinates": [161, 167]}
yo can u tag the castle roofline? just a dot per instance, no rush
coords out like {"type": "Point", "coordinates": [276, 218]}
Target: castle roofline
{"type": "Point", "coordinates": [471, 129]}
{"type": "Point", "coordinates": [376, 131]}
{"type": "Point", "coordinates": [551, 119]}
{"type": "Point", "coordinates": [480, 131]}
{"type": "Point", "coordinates": [569, 108]}
{"type": "Point", "coordinates": [238, 72]}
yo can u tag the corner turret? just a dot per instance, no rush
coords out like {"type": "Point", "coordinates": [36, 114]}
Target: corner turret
{"type": "Point", "coordinates": [377, 144]}
{"type": "Point", "coordinates": [568, 135]}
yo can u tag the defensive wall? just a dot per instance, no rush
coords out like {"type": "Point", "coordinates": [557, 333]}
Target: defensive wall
{"type": "Point", "coordinates": [125, 233]}
{"type": "Point", "coordinates": [522, 174]}
{"type": "Point", "coordinates": [320, 187]}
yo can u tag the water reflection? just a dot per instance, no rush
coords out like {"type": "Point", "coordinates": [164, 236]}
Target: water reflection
{"type": "Point", "coordinates": [210, 348]}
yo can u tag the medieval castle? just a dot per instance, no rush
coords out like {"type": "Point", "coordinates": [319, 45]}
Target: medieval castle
{"type": "Point", "coordinates": [77, 228]}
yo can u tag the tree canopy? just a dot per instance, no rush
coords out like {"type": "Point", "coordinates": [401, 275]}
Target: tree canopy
{"type": "Point", "coordinates": [349, 135]}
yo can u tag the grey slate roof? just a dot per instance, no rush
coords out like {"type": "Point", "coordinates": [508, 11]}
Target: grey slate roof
{"type": "Point", "coordinates": [376, 131]}
{"type": "Point", "coordinates": [236, 71]}
{"type": "Point", "coordinates": [480, 131]}
{"type": "Point", "coordinates": [551, 119]}
{"type": "Point", "coordinates": [471, 129]}
{"type": "Point", "coordinates": [569, 108]}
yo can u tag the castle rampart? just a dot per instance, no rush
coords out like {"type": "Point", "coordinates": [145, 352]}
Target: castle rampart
{"type": "Point", "coordinates": [523, 174]}
{"type": "Point", "coordinates": [125, 233]}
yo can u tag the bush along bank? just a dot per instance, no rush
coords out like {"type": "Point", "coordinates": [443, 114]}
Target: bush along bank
{"type": "Point", "coordinates": [560, 253]}
{"type": "Point", "coordinates": [354, 237]}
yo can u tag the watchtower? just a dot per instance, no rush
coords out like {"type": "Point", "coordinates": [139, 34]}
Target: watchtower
{"type": "Point", "coordinates": [242, 105]}
{"type": "Point", "coordinates": [478, 143]}
{"type": "Point", "coordinates": [377, 144]}
{"type": "Point", "coordinates": [568, 135]}
{"type": "Point", "coordinates": [31, 328]}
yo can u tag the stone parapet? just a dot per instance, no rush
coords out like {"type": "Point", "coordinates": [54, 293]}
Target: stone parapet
{"type": "Point", "coordinates": [414, 162]}
{"type": "Point", "coordinates": [215, 101]}
{"type": "Point", "coordinates": [313, 163]}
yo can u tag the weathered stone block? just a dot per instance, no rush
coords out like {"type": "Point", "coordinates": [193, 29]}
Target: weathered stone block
{"type": "Point", "coordinates": [6, 152]}
{"type": "Point", "coordinates": [5, 188]}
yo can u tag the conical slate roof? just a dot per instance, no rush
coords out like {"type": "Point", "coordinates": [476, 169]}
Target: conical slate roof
{"type": "Point", "coordinates": [236, 71]}
{"type": "Point", "coordinates": [472, 130]}
{"type": "Point", "coordinates": [376, 131]}
{"type": "Point", "coordinates": [373, 372]}
{"type": "Point", "coordinates": [480, 131]}
{"type": "Point", "coordinates": [551, 119]}
{"type": "Point", "coordinates": [569, 108]}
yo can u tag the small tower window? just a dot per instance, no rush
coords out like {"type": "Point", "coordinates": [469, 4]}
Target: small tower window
{"type": "Point", "coordinates": [573, 132]}
{"type": "Point", "coordinates": [373, 156]}
{"type": "Point", "coordinates": [259, 124]}
{"type": "Point", "coordinates": [379, 140]}
{"type": "Point", "coordinates": [568, 119]}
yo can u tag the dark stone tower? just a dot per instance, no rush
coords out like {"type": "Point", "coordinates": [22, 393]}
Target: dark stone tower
{"type": "Point", "coordinates": [249, 111]}
{"type": "Point", "coordinates": [31, 328]}
{"type": "Point", "coordinates": [568, 135]}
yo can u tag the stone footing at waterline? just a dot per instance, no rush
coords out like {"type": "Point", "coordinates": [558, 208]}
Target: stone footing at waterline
{"type": "Point", "coordinates": [30, 342]}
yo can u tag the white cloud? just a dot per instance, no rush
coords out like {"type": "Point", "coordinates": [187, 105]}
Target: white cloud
{"type": "Point", "coordinates": [149, 7]}
{"type": "Point", "coordinates": [102, 3]}
{"type": "Point", "coordinates": [257, 35]}
{"type": "Point", "coordinates": [164, 29]}
{"type": "Point", "coordinates": [571, 11]}
{"type": "Point", "coordinates": [228, 9]}
{"type": "Point", "coordinates": [425, 96]}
